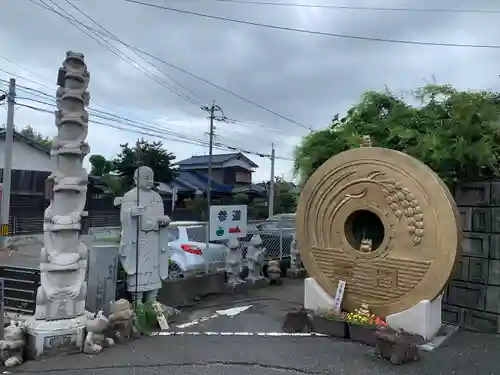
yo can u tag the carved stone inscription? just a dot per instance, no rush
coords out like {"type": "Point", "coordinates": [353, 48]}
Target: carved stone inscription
{"type": "Point", "coordinates": [62, 342]}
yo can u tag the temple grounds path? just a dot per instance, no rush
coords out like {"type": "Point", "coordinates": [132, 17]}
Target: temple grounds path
{"type": "Point", "coordinates": [466, 353]}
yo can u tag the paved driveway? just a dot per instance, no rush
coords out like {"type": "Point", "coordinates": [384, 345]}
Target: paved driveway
{"type": "Point", "coordinates": [211, 353]}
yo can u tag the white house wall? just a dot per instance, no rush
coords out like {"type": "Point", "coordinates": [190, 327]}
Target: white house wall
{"type": "Point", "coordinates": [25, 157]}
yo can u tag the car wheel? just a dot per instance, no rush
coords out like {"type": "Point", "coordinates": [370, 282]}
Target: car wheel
{"type": "Point", "coordinates": [175, 271]}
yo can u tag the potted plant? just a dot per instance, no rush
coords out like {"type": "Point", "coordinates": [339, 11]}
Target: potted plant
{"type": "Point", "coordinates": [363, 325]}
{"type": "Point", "coordinates": [330, 322]}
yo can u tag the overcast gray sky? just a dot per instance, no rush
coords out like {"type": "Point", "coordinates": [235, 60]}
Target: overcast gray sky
{"type": "Point", "coordinates": [307, 78]}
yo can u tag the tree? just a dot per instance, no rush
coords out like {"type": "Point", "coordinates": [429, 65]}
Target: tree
{"type": "Point", "coordinates": [31, 133]}
{"type": "Point", "coordinates": [285, 200]}
{"type": "Point", "coordinates": [151, 154]}
{"type": "Point", "coordinates": [100, 166]}
{"type": "Point", "coordinates": [456, 133]}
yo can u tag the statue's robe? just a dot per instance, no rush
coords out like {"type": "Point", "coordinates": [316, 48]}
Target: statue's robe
{"type": "Point", "coordinates": [153, 260]}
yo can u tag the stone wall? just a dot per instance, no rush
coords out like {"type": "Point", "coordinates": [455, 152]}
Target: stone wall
{"type": "Point", "coordinates": [472, 298]}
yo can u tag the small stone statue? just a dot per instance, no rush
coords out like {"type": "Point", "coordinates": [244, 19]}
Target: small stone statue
{"type": "Point", "coordinates": [297, 320]}
{"type": "Point", "coordinates": [122, 321]}
{"type": "Point", "coordinates": [97, 331]}
{"type": "Point", "coordinates": [364, 310]}
{"type": "Point", "coordinates": [296, 261]}
{"type": "Point", "coordinates": [366, 141]}
{"type": "Point", "coordinates": [233, 262]}
{"type": "Point", "coordinates": [366, 245]}
{"type": "Point", "coordinates": [12, 346]}
{"type": "Point", "coordinates": [274, 272]}
{"type": "Point", "coordinates": [397, 347]}
{"type": "Point", "coordinates": [255, 257]}
{"type": "Point", "coordinates": [143, 207]}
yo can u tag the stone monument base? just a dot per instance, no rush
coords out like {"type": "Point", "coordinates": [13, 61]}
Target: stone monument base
{"type": "Point", "coordinates": [315, 297]}
{"type": "Point", "coordinates": [423, 319]}
{"type": "Point", "coordinates": [50, 338]}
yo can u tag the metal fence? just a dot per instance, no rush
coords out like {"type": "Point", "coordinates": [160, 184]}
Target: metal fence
{"type": "Point", "coordinates": [21, 283]}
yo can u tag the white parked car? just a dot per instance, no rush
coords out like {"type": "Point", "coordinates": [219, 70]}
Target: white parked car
{"type": "Point", "coordinates": [187, 249]}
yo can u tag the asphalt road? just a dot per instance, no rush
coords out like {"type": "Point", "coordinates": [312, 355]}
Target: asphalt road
{"type": "Point", "coordinates": [465, 353]}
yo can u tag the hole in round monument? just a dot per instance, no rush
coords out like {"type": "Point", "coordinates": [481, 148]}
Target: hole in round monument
{"type": "Point", "coordinates": [364, 231]}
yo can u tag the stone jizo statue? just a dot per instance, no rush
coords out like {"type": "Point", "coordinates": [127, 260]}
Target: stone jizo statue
{"type": "Point", "coordinates": [255, 258]}
{"type": "Point", "coordinates": [233, 262]}
{"type": "Point", "coordinates": [295, 260]}
{"type": "Point", "coordinates": [143, 208]}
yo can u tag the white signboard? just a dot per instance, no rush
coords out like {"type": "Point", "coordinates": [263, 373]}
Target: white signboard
{"type": "Point", "coordinates": [339, 295]}
{"type": "Point", "coordinates": [227, 222]}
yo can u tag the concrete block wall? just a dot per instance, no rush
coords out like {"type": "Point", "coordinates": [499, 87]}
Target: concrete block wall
{"type": "Point", "coordinates": [472, 298]}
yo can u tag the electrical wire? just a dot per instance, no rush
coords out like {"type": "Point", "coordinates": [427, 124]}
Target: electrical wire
{"type": "Point", "coordinates": [115, 37]}
{"type": "Point", "coordinates": [157, 133]}
{"type": "Point", "coordinates": [108, 46]}
{"type": "Point", "coordinates": [98, 113]}
{"type": "Point", "coordinates": [312, 32]}
{"type": "Point", "coordinates": [143, 52]}
{"type": "Point", "coordinates": [344, 7]}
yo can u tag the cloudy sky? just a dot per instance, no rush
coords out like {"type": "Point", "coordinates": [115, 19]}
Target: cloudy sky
{"type": "Point", "coordinates": [306, 78]}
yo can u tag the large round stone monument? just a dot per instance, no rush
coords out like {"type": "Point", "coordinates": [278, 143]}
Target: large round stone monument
{"type": "Point", "coordinates": [382, 221]}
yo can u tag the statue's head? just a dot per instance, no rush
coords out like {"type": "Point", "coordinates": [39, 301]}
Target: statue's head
{"type": "Point", "coordinates": [256, 240]}
{"type": "Point", "coordinates": [144, 178]}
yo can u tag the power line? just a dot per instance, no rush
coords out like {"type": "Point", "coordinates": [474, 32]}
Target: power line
{"type": "Point", "coordinates": [143, 52]}
{"type": "Point", "coordinates": [137, 130]}
{"type": "Point", "coordinates": [343, 7]}
{"type": "Point", "coordinates": [115, 37]}
{"type": "Point", "coordinates": [103, 42]}
{"type": "Point", "coordinates": [99, 113]}
{"type": "Point", "coordinates": [311, 32]}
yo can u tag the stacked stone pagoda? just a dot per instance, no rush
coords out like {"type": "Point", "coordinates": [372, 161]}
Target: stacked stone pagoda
{"type": "Point", "coordinates": [59, 321]}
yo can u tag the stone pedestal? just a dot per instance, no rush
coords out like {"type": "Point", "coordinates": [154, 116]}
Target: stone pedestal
{"type": "Point", "coordinates": [48, 338]}
{"type": "Point", "coordinates": [423, 319]}
{"type": "Point", "coordinates": [315, 298]}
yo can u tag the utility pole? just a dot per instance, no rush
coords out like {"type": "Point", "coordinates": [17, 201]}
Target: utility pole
{"type": "Point", "coordinates": [7, 167]}
{"type": "Point", "coordinates": [211, 110]}
{"type": "Point", "coordinates": [271, 184]}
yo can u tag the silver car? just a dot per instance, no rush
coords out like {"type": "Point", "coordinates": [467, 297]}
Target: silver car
{"type": "Point", "coordinates": [188, 254]}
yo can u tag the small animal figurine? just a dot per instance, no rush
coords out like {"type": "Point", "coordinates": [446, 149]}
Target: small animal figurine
{"type": "Point", "coordinates": [297, 320]}
{"type": "Point", "coordinates": [97, 330]}
{"type": "Point", "coordinates": [12, 346]}
{"type": "Point", "coordinates": [274, 272]}
{"type": "Point", "coordinates": [397, 347]}
{"type": "Point", "coordinates": [122, 323]}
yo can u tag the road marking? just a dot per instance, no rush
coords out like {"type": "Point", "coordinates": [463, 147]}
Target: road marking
{"type": "Point", "coordinates": [232, 312]}
{"type": "Point", "coordinates": [261, 334]}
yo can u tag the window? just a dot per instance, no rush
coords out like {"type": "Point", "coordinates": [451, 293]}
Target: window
{"type": "Point", "coordinates": [243, 177]}
{"type": "Point", "coordinates": [196, 234]}
{"type": "Point", "coordinates": [173, 234]}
